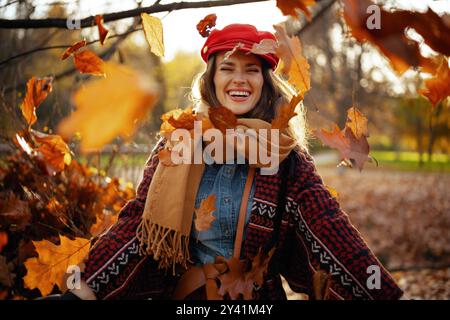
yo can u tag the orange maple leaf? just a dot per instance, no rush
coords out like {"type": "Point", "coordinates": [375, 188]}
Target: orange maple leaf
{"type": "Point", "coordinates": [206, 24]}
{"type": "Point", "coordinates": [286, 112]}
{"type": "Point", "coordinates": [438, 87]}
{"type": "Point", "coordinates": [357, 122]}
{"type": "Point", "coordinates": [294, 64]}
{"type": "Point", "coordinates": [74, 48]}
{"type": "Point", "coordinates": [121, 100]}
{"type": "Point", "coordinates": [37, 91]}
{"type": "Point", "coordinates": [88, 62]}
{"type": "Point", "coordinates": [204, 214]}
{"type": "Point", "coordinates": [102, 31]}
{"type": "Point", "coordinates": [53, 151]}
{"type": "Point", "coordinates": [288, 7]}
{"type": "Point", "coordinates": [103, 222]}
{"type": "Point", "coordinates": [51, 265]}
{"type": "Point", "coordinates": [222, 118]}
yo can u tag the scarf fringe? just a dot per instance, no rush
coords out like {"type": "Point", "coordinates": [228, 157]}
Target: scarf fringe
{"type": "Point", "coordinates": [167, 246]}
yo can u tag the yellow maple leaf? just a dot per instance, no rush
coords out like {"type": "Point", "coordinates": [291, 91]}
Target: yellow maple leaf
{"type": "Point", "coordinates": [204, 214]}
{"type": "Point", "coordinates": [110, 106]}
{"type": "Point", "coordinates": [51, 265]}
{"type": "Point", "coordinates": [153, 30]}
{"type": "Point", "coordinates": [293, 64]}
{"type": "Point", "coordinates": [357, 122]}
{"type": "Point", "coordinates": [286, 113]}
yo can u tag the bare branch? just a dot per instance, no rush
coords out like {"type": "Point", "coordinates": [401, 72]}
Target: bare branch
{"type": "Point", "coordinates": [89, 21]}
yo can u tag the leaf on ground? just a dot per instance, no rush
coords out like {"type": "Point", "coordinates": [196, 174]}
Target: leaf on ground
{"type": "Point", "coordinates": [153, 30]}
{"type": "Point", "coordinates": [15, 214]}
{"type": "Point", "coordinates": [294, 64]}
{"type": "Point", "coordinates": [205, 25]}
{"type": "Point", "coordinates": [88, 62]}
{"type": "Point", "coordinates": [438, 87]}
{"type": "Point", "coordinates": [51, 265]}
{"type": "Point", "coordinates": [222, 118]}
{"type": "Point", "coordinates": [204, 214]}
{"type": "Point", "coordinates": [288, 7]}
{"type": "Point", "coordinates": [102, 31]}
{"type": "Point", "coordinates": [53, 151]}
{"type": "Point", "coordinates": [357, 122]}
{"type": "Point", "coordinates": [286, 112]}
{"type": "Point", "coordinates": [74, 48]}
{"type": "Point", "coordinates": [37, 91]}
{"type": "Point", "coordinates": [121, 99]}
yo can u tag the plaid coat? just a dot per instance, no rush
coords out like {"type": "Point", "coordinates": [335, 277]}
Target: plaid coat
{"type": "Point", "coordinates": [314, 234]}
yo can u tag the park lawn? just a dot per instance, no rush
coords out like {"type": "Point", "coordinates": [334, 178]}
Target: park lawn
{"type": "Point", "coordinates": [409, 161]}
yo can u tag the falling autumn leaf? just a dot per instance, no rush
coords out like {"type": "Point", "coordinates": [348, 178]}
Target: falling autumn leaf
{"type": "Point", "coordinates": [73, 48]}
{"type": "Point", "coordinates": [264, 47]}
{"type": "Point", "coordinates": [51, 265]}
{"type": "Point", "coordinates": [103, 222]}
{"type": "Point", "coordinates": [287, 111]}
{"type": "Point", "coordinates": [229, 53]}
{"type": "Point", "coordinates": [37, 91]}
{"type": "Point", "coordinates": [206, 24]}
{"type": "Point", "coordinates": [222, 118]}
{"type": "Point", "coordinates": [102, 31]}
{"type": "Point", "coordinates": [153, 30]}
{"type": "Point", "coordinates": [288, 7]}
{"type": "Point", "coordinates": [204, 214]}
{"type": "Point", "coordinates": [438, 87]}
{"type": "Point", "coordinates": [294, 64]}
{"type": "Point", "coordinates": [357, 123]}
{"type": "Point", "coordinates": [88, 62]}
{"type": "Point", "coordinates": [121, 99]}
{"type": "Point", "coordinates": [53, 150]}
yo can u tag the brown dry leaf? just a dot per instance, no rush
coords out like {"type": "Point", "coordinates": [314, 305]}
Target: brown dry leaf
{"type": "Point", "coordinates": [102, 31]}
{"type": "Point", "coordinates": [286, 113]}
{"type": "Point", "coordinates": [51, 265]}
{"type": "Point", "coordinates": [233, 281]}
{"type": "Point", "coordinates": [264, 47]}
{"type": "Point", "coordinates": [229, 53]}
{"type": "Point", "coordinates": [165, 157]}
{"type": "Point", "coordinates": [438, 87]}
{"type": "Point", "coordinates": [288, 7]}
{"type": "Point", "coordinates": [15, 214]}
{"type": "Point", "coordinates": [357, 122]}
{"type": "Point", "coordinates": [255, 277]}
{"type": "Point", "coordinates": [184, 119]}
{"type": "Point", "coordinates": [204, 214]}
{"type": "Point", "coordinates": [3, 240]}
{"type": "Point", "coordinates": [153, 30]}
{"type": "Point", "coordinates": [294, 64]}
{"type": "Point", "coordinates": [53, 151]}
{"type": "Point", "coordinates": [391, 39]}
{"type": "Point", "coordinates": [37, 91]}
{"type": "Point", "coordinates": [88, 62]}
{"type": "Point", "coordinates": [206, 24]}
{"type": "Point", "coordinates": [74, 48]}
{"type": "Point", "coordinates": [321, 284]}
{"type": "Point", "coordinates": [121, 100]}
{"type": "Point", "coordinates": [222, 118]}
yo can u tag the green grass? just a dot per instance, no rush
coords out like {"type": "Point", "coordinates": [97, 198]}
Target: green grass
{"type": "Point", "coordinates": [409, 161]}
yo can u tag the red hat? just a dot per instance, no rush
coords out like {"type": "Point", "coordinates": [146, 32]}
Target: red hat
{"type": "Point", "coordinates": [231, 35]}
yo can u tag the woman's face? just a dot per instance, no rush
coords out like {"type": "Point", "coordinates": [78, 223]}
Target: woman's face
{"type": "Point", "coordinates": [238, 81]}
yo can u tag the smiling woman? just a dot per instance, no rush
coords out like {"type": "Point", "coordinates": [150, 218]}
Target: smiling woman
{"type": "Point", "coordinates": [255, 227]}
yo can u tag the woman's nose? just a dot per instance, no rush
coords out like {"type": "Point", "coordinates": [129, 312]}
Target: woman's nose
{"type": "Point", "coordinates": [239, 77]}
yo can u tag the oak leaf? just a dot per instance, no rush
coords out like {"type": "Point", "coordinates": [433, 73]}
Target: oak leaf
{"type": "Point", "coordinates": [288, 7]}
{"type": "Point", "coordinates": [153, 30]}
{"type": "Point", "coordinates": [53, 151]}
{"type": "Point", "coordinates": [37, 91]}
{"type": "Point", "coordinates": [88, 62]}
{"type": "Point", "coordinates": [357, 122]}
{"type": "Point", "coordinates": [74, 48]}
{"type": "Point", "coordinates": [50, 267]}
{"type": "Point", "coordinates": [438, 87]}
{"type": "Point", "coordinates": [121, 99]}
{"type": "Point", "coordinates": [102, 31]}
{"type": "Point", "coordinates": [204, 214]}
{"type": "Point", "coordinates": [222, 118]}
{"type": "Point", "coordinates": [286, 112]}
{"type": "Point", "coordinates": [294, 65]}
{"type": "Point", "coordinates": [206, 24]}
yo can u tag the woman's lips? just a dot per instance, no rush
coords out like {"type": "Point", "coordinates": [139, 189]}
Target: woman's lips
{"type": "Point", "coordinates": [232, 94]}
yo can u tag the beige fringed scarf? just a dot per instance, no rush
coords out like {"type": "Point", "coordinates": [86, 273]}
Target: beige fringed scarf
{"type": "Point", "coordinates": [167, 218]}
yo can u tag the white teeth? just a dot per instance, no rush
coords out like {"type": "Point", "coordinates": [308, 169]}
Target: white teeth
{"type": "Point", "coordinates": [239, 93]}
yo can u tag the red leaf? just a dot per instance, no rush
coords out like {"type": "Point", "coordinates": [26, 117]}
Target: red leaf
{"type": "Point", "coordinates": [206, 24]}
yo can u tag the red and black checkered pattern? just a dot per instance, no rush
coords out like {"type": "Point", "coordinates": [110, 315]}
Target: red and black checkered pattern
{"type": "Point", "coordinates": [315, 234]}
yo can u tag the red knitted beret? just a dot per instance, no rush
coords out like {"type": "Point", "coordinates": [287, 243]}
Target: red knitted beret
{"type": "Point", "coordinates": [231, 35]}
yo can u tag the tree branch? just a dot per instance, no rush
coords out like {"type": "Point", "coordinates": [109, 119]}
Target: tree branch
{"type": "Point", "coordinates": [89, 21]}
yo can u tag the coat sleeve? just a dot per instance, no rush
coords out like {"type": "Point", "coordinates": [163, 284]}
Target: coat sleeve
{"type": "Point", "coordinates": [113, 261]}
{"type": "Point", "coordinates": [323, 238]}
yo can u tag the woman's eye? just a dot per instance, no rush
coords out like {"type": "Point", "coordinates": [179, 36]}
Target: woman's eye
{"type": "Point", "coordinates": [226, 69]}
{"type": "Point", "coordinates": [253, 70]}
